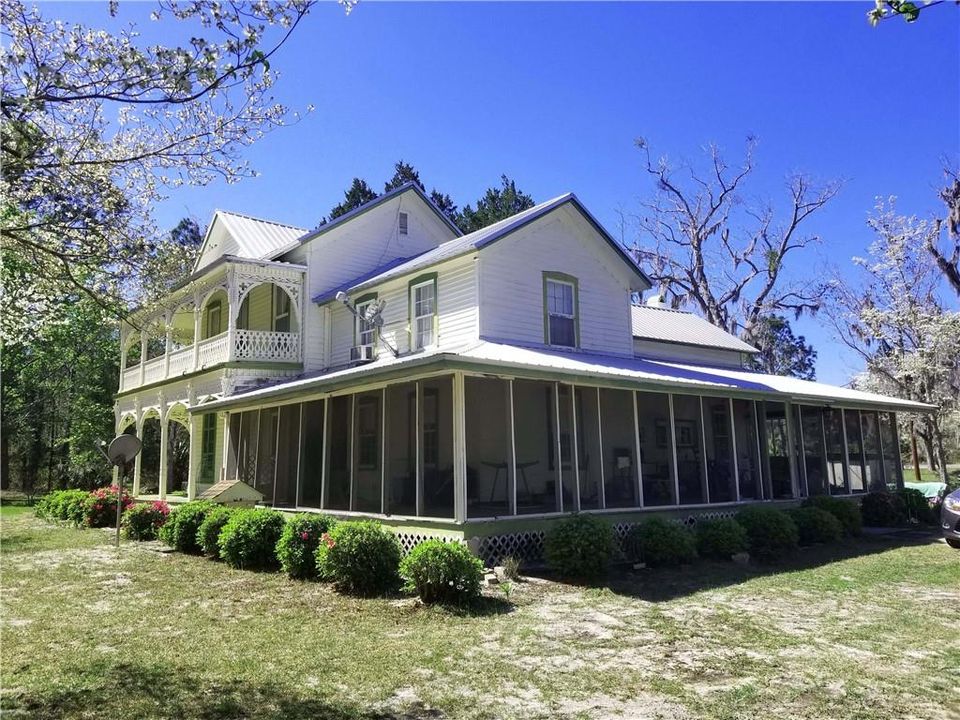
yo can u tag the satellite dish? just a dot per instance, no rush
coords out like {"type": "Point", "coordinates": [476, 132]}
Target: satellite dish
{"type": "Point", "coordinates": [123, 449]}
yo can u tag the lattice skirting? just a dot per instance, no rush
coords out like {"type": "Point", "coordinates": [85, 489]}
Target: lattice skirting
{"type": "Point", "coordinates": [409, 540]}
{"type": "Point", "coordinates": [527, 545]}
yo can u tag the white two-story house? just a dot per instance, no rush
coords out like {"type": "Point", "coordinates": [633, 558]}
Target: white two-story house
{"type": "Point", "coordinates": [477, 386]}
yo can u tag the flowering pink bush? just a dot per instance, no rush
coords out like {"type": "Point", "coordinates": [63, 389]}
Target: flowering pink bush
{"type": "Point", "coordinates": [144, 520]}
{"type": "Point", "coordinates": [101, 506]}
{"type": "Point", "coordinates": [298, 544]}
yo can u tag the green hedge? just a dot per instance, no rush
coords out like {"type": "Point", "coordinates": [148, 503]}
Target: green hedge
{"type": "Point", "coordinates": [63, 506]}
{"type": "Point", "coordinates": [249, 539]}
{"type": "Point", "coordinates": [816, 526]}
{"type": "Point", "coordinates": [208, 534]}
{"type": "Point", "coordinates": [180, 530]}
{"type": "Point", "coordinates": [658, 541]}
{"type": "Point", "coordinates": [580, 546]}
{"type": "Point", "coordinates": [772, 533]}
{"type": "Point", "coordinates": [721, 539]}
{"type": "Point", "coordinates": [442, 572]}
{"type": "Point", "coordinates": [360, 557]}
{"type": "Point", "coordinates": [297, 547]}
{"type": "Point", "coordinates": [846, 511]}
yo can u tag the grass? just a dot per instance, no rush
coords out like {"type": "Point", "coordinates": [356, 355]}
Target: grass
{"type": "Point", "coordinates": [863, 631]}
{"type": "Point", "coordinates": [927, 475]}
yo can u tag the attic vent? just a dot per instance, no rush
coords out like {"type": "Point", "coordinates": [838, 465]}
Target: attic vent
{"type": "Point", "coordinates": [403, 223]}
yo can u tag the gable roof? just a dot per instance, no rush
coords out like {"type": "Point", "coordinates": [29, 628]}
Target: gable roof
{"type": "Point", "coordinates": [360, 210]}
{"type": "Point", "coordinates": [256, 238]}
{"type": "Point", "coordinates": [477, 240]}
{"type": "Point", "coordinates": [678, 326]}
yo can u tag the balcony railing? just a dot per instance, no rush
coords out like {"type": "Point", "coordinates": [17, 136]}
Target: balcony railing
{"type": "Point", "coordinates": [249, 346]}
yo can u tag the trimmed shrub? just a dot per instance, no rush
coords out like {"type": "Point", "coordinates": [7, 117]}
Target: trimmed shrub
{"type": "Point", "coordinates": [659, 542]}
{"type": "Point", "coordinates": [63, 506]}
{"type": "Point", "coordinates": [916, 506]}
{"type": "Point", "coordinates": [580, 546]}
{"type": "Point", "coordinates": [143, 520]}
{"type": "Point", "coordinates": [100, 506]}
{"type": "Point", "coordinates": [846, 511]}
{"type": "Point", "coordinates": [180, 530]}
{"type": "Point", "coordinates": [721, 539]}
{"type": "Point", "coordinates": [883, 509]}
{"type": "Point", "coordinates": [249, 539]}
{"type": "Point", "coordinates": [209, 531]}
{"type": "Point", "coordinates": [359, 557]}
{"type": "Point", "coordinates": [816, 526]}
{"type": "Point", "coordinates": [772, 533]}
{"type": "Point", "coordinates": [442, 572]}
{"type": "Point", "coordinates": [297, 547]}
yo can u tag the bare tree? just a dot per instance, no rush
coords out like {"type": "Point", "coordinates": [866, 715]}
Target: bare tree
{"type": "Point", "coordinates": [949, 264]}
{"type": "Point", "coordinates": [704, 246]}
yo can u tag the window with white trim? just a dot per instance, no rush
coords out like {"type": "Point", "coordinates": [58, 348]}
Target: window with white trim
{"type": "Point", "coordinates": [423, 304]}
{"type": "Point", "coordinates": [281, 310]}
{"type": "Point", "coordinates": [403, 224]}
{"type": "Point", "coordinates": [561, 313]}
{"type": "Point", "coordinates": [364, 330]}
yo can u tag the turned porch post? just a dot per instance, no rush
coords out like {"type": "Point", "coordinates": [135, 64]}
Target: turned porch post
{"type": "Point", "coordinates": [164, 442]}
{"type": "Point", "coordinates": [143, 355]}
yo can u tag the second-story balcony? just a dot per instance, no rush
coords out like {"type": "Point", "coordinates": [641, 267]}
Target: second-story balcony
{"type": "Point", "coordinates": [240, 311]}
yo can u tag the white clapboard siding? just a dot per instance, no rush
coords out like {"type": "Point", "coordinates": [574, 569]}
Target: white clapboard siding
{"type": "Point", "coordinates": [511, 284]}
{"type": "Point", "coordinates": [456, 306]}
{"type": "Point", "coordinates": [687, 353]}
{"type": "Point", "coordinates": [260, 307]}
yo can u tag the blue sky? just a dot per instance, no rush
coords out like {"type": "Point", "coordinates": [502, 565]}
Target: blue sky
{"type": "Point", "coordinates": [553, 94]}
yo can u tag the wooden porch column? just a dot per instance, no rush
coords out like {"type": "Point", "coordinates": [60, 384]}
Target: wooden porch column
{"type": "Point", "coordinates": [167, 343]}
{"type": "Point", "coordinates": [232, 311]}
{"type": "Point", "coordinates": [123, 357]}
{"type": "Point", "coordinates": [196, 330]}
{"type": "Point", "coordinates": [164, 442]}
{"type": "Point", "coordinates": [193, 461]}
{"type": "Point", "coordinates": [459, 450]}
{"type": "Point", "coordinates": [143, 355]}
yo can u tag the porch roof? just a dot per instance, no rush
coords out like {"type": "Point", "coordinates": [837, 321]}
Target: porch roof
{"type": "Point", "coordinates": [583, 367]}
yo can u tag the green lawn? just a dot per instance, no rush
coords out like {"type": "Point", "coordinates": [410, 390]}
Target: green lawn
{"type": "Point", "coordinates": [869, 631]}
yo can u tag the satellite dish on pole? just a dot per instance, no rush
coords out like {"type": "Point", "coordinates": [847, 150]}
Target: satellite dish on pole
{"type": "Point", "coordinates": [123, 449]}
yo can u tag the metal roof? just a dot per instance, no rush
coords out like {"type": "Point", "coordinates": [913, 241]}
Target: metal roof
{"type": "Point", "coordinates": [677, 326]}
{"type": "Point", "coordinates": [639, 373]}
{"type": "Point", "coordinates": [258, 238]}
{"type": "Point", "coordinates": [478, 240]}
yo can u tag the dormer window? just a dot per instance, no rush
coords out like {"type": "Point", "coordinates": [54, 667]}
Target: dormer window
{"type": "Point", "coordinates": [561, 325]}
{"type": "Point", "coordinates": [423, 312]}
{"type": "Point", "coordinates": [364, 331]}
{"type": "Point", "coordinates": [403, 223]}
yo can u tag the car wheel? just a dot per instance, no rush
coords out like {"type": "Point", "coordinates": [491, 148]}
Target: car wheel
{"type": "Point", "coordinates": [952, 542]}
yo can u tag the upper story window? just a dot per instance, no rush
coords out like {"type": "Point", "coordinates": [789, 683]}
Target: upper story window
{"type": "Point", "coordinates": [364, 332]}
{"type": "Point", "coordinates": [403, 223]}
{"type": "Point", "coordinates": [281, 310]}
{"type": "Point", "coordinates": [214, 317]}
{"type": "Point", "coordinates": [423, 312]}
{"type": "Point", "coordinates": [560, 310]}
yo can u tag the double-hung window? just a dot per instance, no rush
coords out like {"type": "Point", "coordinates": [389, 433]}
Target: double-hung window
{"type": "Point", "coordinates": [423, 311]}
{"type": "Point", "coordinates": [281, 310]}
{"type": "Point", "coordinates": [561, 304]}
{"type": "Point", "coordinates": [365, 332]}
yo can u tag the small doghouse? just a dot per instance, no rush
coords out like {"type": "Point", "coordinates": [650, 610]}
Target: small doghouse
{"type": "Point", "coordinates": [233, 493]}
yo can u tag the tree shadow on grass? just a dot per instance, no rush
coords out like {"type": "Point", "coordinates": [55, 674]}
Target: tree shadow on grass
{"type": "Point", "coordinates": [126, 690]}
{"type": "Point", "coordinates": [662, 584]}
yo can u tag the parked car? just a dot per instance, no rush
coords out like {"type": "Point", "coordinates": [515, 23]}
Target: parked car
{"type": "Point", "coordinates": [950, 519]}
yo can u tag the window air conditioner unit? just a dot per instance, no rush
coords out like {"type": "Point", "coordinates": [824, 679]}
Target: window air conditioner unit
{"type": "Point", "coordinates": [361, 354]}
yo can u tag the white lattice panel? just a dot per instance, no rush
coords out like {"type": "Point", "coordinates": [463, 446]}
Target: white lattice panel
{"type": "Point", "coordinates": [268, 345]}
{"type": "Point", "coordinates": [526, 545]}
{"type": "Point", "coordinates": [409, 540]}
{"type": "Point", "coordinates": [213, 350]}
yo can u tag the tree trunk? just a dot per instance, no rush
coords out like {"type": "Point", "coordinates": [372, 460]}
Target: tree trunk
{"type": "Point", "coordinates": [4, 460]}
{"type": "Point", "coordinates": [941, 453]}
{"type": "Point", "coordinates": [914, 455]}
{"type": "Point", "coordinates": [928, 449]}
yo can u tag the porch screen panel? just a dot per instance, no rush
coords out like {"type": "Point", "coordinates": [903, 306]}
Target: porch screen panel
{"type": "Point", "coordinates": [774, 441]}
{"type": "Point", "coordinates": [401, 460]}
{"type": "Point", "coordinates": [748, 458]}
{"type": "Point", "coordinates": [437, 445]}
{"type": "Point", "coordinates": [367, 447]}
{"type": "Point", "coordinates": [338, 454]}
{"type": "Point", "coordinates": [588, 447]}
{"type": "Point", "coordinates": [534, 414]}
{"type": "Point", "coordinates": [689, 439]}
{"type": "Point", "coordinates": [288, 449]}
{"type": "Point", "coordinates": [814, 457]}
{"type": "Point", "coordinates": [312, 439]}
{"type": "Point", "coordinates": [870, 425]}
{"type": "Point", "coordinates": [836, 461]}
{"type": "Point", "coordinates": [891, 451]}
{"type": "Point", "coordinates": [656, 450]}
{"type": "Point", "coordinates": [851, 419]}
{"type": "Point", "coordinates": [234, 448]}
{"type": "Point", "coordinates": [719, 446]}
{"type": "Point", "coordinates": [267, 452]}
{"type": "Point", "coordinates": [247, 453]}
{"type": "Point", "coordinates": [489, 472]}
{"type": "Point", "coordinates": [619, 449]}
